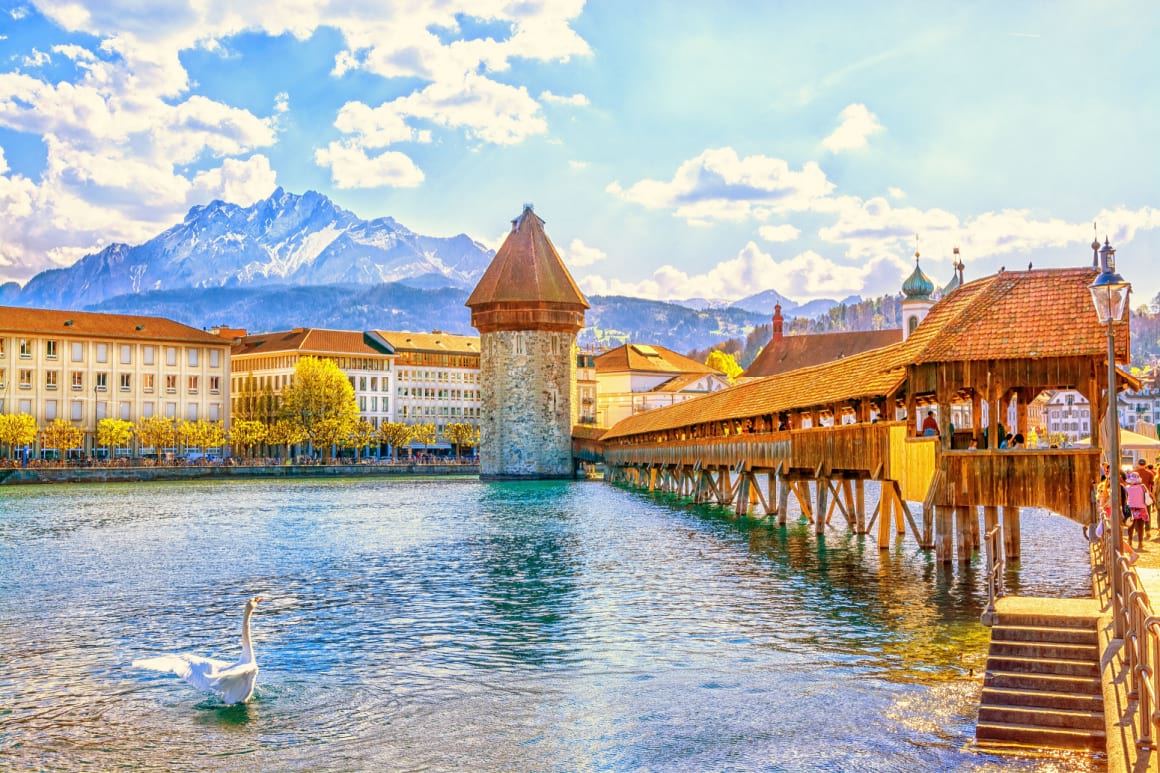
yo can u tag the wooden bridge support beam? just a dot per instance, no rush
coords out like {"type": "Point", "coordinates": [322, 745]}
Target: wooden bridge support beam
{"type": "Point", "coordinates": [823, 486]}
{"type": "Point", "coordinates": [860, 506]}
{"type": "Point", "coordinates": [783, 502]}
{"type": "Point", "coordinates": [1011, 532]}
{"type": "Point", "coordinates": [964, 536]}
{"type": "Point", "coordinates": [885, 515]}
{"type": "Point", "coordinates": [944, 534]}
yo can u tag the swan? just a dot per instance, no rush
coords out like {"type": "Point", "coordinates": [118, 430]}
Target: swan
{"type": "Point", "coordinates": [232, 682]}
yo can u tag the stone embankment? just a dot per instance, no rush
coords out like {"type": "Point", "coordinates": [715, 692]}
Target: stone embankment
{"type": "Point", "coordinates": [15, 476]}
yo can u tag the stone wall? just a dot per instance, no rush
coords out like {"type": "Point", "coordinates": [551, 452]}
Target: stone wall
{"type": "Point", "coordinates": [528, 404]}
{"type": "Point", "coordinates": [218, 472]}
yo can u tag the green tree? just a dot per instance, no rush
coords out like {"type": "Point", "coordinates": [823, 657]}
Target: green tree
{"type": "Point", "coordinates": [461, 435]}
{"type": "Point", "coordinates": [156, 433]}
{"type": "Point", "coordinates": [16, 430]}
{"type": "Point", "coordinates": [395, 434]}
{"type": "Point", "coordinates": [247, 433]}
{"type": "Point", "coordinates": [114, 433]}
{"type": "Point", "coordinates": [62, 435]}
{"type": "Point", "coordinates": [726, 363]}
{"type": "Point", "coordinates": [321, 400]}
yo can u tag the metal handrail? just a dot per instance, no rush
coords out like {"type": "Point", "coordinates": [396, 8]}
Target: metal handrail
{"type": "Point", "coordinates": [994, 542]}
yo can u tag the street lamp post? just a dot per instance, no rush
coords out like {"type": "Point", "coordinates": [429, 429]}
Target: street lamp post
{"type": "Point", "coordinates": [1110, 295]}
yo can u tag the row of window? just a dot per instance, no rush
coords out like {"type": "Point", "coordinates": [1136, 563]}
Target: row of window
{"type": "Point", "coordinates": [361, 385]}
{"type": "Point", "coordinates": [102, 351]}
{"type": "Point", "coordinates": [440, 376]}
{"type": "Point", "coordinates": [77, 410]}
{"type": "Point", "coordinates": [101, 381]}
{"type": "Point", "coordinates": [434, 411]}
{"type": "Point", "coordinates": [426, 393]}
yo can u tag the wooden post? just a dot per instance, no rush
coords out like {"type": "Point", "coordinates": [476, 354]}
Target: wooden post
{"type": "Point", "coordinates": [782, 502]}
{"type": "Point", "coordinates": [963, 535]}
{"type": "Point", "coordinates": [860, 506]}
{"type": "Point", "coordinates": [1011, 532]}
{"type": "Point", "coordinates": [944, 533]}
{"type": "Point", "coordinates": [742, 495]}
{"type": "Point", "coordinates": [848, 495]}
{"type": "Point", "coordinates": [823, 486]}
{"type": "Point", "coordinates": [771, 508]}
{"type": "Point", "coordinates": [885, 508]}
{"type": "Point", "coordinates": [802, 489]}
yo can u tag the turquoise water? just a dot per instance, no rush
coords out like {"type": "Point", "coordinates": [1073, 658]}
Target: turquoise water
{"type": "Point", "coordinates": [456, 625]}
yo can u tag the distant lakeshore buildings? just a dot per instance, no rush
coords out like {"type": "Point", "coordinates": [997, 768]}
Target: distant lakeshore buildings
{"type": "Point", "coordinates": [523, 382]}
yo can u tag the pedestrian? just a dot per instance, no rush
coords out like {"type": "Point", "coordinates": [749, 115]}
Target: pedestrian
{"type": "Point", "coordinates": [1148, 479]}
{"type": "Point", "coordinates": [930, 425]}
{"type": "Point", "coordinates": [1137, 500]}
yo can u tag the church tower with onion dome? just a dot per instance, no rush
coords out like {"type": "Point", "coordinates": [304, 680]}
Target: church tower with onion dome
{"type": "Point", "coordinates": [917, 288]}
{"type": "Point", "coordinates": [528, 311]}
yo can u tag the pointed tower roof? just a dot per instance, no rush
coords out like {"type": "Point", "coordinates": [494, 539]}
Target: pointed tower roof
{"type": "Point", "coordinates": [527, 274]}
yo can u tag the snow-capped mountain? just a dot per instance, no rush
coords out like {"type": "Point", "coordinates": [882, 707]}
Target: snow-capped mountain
{"type": "Point", "coordinates": [286, 239]}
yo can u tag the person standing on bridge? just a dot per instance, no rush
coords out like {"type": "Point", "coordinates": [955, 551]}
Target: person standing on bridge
{"type": "Point", "coordinates": [1138, 503]}
{"type": "Point", "coordinates": [1148, 478]}
{"type": "Point", "coordinates": [930, 425]}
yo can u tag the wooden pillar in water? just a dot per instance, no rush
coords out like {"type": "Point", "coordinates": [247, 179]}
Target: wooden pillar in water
{"type": "Point", "coordinates": [782, 502]}
{"type": "Point", "coordinates": [944, 538]}
{"type": "Point", "coordinates": [1011, 532]}
{"type": "Point", "coordinates": [860, 506]}
{"type": "Point", "coordinates": [964, 535]}
{"type": "Point", "coordinates": [823, 486]}
{"type": "Point", "coordinates": [885, 510]}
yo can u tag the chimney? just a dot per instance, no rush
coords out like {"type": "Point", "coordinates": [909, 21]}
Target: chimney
{"type": "Point", "coordinates": [777, 321]}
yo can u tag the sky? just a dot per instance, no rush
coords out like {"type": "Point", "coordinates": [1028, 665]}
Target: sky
{"type": "Point", "coordinates": [675, 149]}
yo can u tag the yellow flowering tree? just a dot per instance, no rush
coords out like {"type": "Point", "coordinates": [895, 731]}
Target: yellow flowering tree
{"type": "Point", "coordinates": [156, 433]}
{"type": "Point", "coordinates": [395, 434]}
{"type": "Point", "coordinates": [361, 436]}
{"type": "Point", "coordinates": [16, 430]}
{"type": "Point", "coordinates": [461, 435]}
{"type": "Point", "coordinates": [114, 433]}
{"type": "Point", "coordinates": [724, 362]}
{"type": "Point", "coordinates": [423, 433]}
{"type": "Point", "coordinates": [247, 433]}
{"type": "Point", "coordinates": [320, 399]}
{"type": "Point", "coordinates": [62, 435]}
{"type": "Point", "coordinates": [285, 433]}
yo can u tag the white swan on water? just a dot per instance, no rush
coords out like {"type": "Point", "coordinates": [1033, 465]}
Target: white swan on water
{"type": "Point", "coordinates": [232, 682]}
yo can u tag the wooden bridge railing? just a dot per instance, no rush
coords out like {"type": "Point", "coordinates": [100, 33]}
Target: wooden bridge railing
{"type": "Point", "coordinates": [1059, 480]}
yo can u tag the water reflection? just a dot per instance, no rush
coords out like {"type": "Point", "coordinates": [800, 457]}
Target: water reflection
{"type": "Point", "coordinates": [421, 625]}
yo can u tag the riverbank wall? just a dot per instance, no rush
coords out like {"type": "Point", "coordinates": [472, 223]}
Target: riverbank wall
{"type": "Point", "coordinates": [44, 475]}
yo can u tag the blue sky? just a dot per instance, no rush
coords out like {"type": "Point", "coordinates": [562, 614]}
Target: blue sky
{"type": "Point", "coordinates": [675, 149]}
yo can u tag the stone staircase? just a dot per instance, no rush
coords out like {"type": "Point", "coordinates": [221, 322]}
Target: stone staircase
{"type": "Point", "coordinates": [1042, 687]}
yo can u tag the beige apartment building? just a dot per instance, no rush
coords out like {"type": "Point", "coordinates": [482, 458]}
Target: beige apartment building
{"type": "Point", "coordinates": [84, 367]}
{"type": "Point", "coordinates": [437, 379]}
{"type": "Point", "coordinates": [264, 365]}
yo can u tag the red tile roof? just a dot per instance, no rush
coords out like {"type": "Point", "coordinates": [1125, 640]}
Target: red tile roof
{"type": "Point", "coordinates": [527, 268]}
{"type": "Point", "coordinates": [309, 340]}
{"type": "Point", "coordinates": [90, 324]}
{"type": "Point", "coordinates": [645, 358]}
{"type": "Point", "coordinates": [1011, 315]}
{"type": "Point", "coordinates": [802, 351]}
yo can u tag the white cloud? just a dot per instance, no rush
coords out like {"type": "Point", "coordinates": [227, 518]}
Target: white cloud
{"type": "Point", "coordinates": [281, 102]}
{"type": "Point", "coordinates": [236, 181]}
{"type": "Point", "coordinates": [719, 185]}
{"type": "Point", "coordinates": [896, 193]}
{"type": "Point", "coordinates": [578, 165]}
{"type": "Point", "coordinates": [351, 167]}
{"type": "Point", "coordinates": [37, 59]}
{"type": "Point", "coordinates": [778, 233]}
{"type": "Point", "coordinates": [804, 276]}
{"type": "Point", "coordinates": [857, 124]}
{"type": "Point", "coordinates": [580, 254]}
{"type": "Point", "coordinates": [576, 100]}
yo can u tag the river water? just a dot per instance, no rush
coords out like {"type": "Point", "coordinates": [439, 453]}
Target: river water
{"type": "Point", "coordinates": [457, 625]}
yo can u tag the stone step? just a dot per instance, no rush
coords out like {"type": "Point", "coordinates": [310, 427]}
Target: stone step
{"type": "Point", "coordinates": [1028, 735]}
{"type": "Point", "coordinates": [1056, 666]}
{"type": "Point", "coordinates": [1046, 620]}
{"type": "Point", "coordinates": [1044, 650]}
{"type": "Point", "coordinates": [1019, 680]}
{"type": "Point", "coordinates": [1044, 634]}
{"type": "Point", "coordinates": [1071, 719]}
{"type": "Point", "coordinates": [1013, 696]}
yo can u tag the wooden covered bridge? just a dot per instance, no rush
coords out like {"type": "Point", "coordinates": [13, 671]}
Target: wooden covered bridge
{"type": "Point", "coordinates": [821, 433]}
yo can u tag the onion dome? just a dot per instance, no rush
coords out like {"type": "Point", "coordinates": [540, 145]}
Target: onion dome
{"type": "Point", "coordinates": [917, 286]}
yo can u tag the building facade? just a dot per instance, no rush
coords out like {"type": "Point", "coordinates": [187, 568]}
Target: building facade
{"type": "Point", "coordinates": [633, 378]}
{"type": "Point", "coordinates": [437, 380]}
{"type": "Point", "coordinates": [263, 365]}
{"type": "Point", "coordinates": [83, 367]}
{"type": "Point", "coordinates": [528, 311]}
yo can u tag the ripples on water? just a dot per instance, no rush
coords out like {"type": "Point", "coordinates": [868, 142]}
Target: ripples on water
{"type": "Point", "coordinates": [458, 625]}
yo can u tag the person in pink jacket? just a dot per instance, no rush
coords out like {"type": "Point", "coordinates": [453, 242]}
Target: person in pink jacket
{"type": "Point", "coordinates": [1137, 503]}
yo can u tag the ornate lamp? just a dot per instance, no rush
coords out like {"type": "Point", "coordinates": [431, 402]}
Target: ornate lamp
{"type": "Point", "coordinates": [1110, 295]}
